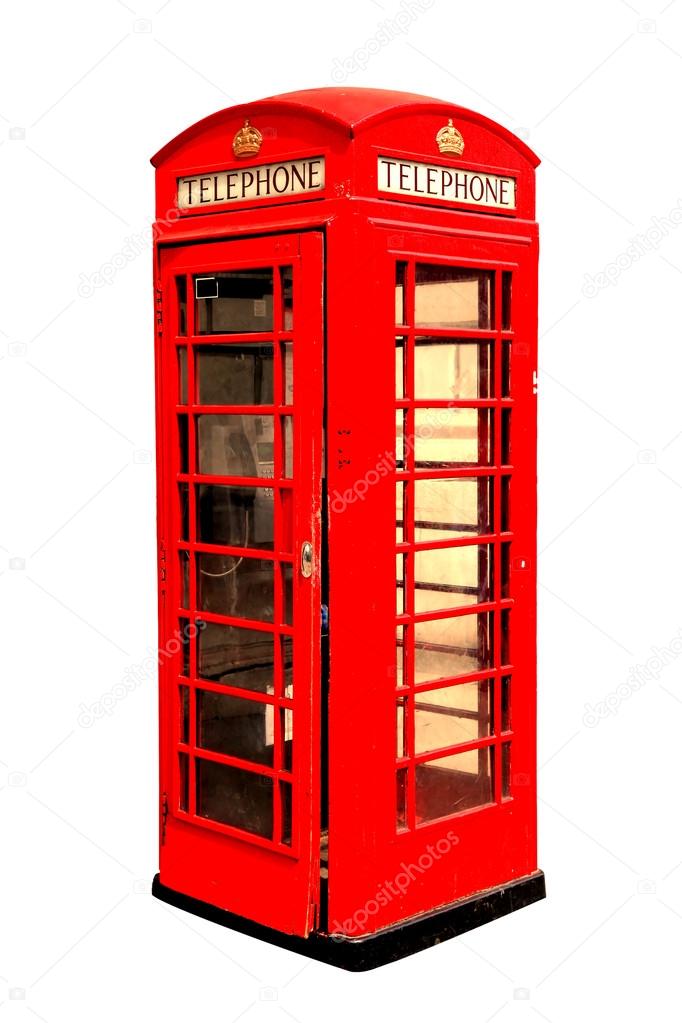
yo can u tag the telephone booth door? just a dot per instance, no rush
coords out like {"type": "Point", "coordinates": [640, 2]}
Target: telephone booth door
{"type": "Point", "coordinates": [240, 450]}
{"type": "Point", "coordinates": [448, 681]}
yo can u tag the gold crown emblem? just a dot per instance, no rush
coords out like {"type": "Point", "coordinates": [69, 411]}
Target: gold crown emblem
{"type": "Point", "coordinates": [247, 141]}
{"type": "Point", "coordinates": [450, 140]}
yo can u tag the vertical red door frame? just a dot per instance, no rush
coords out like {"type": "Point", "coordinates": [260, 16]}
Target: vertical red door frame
{"type": "Point", "coordinates": [487, 846]}
{"type": "Point", "coordinates": [275, 887]}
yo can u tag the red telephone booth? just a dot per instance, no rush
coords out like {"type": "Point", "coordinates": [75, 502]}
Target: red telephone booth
{"type": "Point", "coordinates": [346, 292]}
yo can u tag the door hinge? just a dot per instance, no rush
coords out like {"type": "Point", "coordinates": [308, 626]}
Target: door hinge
{"type": "Point", "coordinates": [158, 308]}
{"type": "Point", "coordinates": [164, 816]}
{"type": "Point", "coordinates": [162, 565]}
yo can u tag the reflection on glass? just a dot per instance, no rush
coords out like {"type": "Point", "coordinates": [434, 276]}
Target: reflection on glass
{"type": "Point", "coordinates": [233, 445]}
{"type": "Point", "coordinates": [453, 646]}
{"type": "Point", "coordinates": [452, 436]}
{"type": "Point", "coordinates": [239, 657]}
{"type": "Point", "coordinates": [234, 303]}
{"type": "Point", "coordinates": [447, 296]}
{"type": "Point", "coordinates": [236, 727]}
{"type": "Point", "coordinates": [400, 653]}
{"type": "Point", "coordinates": [457, 714]}
{"type": "Point", "coordinates": [453, 577]}
{"type": "Point", "coordinates": [455, 783]}
{"type": "Point", "coordinates": [401, 793]}
{"type": "Point", "coordinates": [231, 795]}
{"type": "Point", "coordinates": [235, 516]}
{"type": "Point", "coordinates": [453, 370]}
{"type": "Point", "coordinates": [235, 586]}
{"type": "Point", "coordinates": [235, 375]}
{"type": "Point", "coordinates": [446, 509]}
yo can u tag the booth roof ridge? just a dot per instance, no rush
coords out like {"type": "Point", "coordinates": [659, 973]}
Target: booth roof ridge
{"type": "Point", "coordinates": [349, 108]}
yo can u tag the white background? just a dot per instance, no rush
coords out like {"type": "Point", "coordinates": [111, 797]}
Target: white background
{"type": "Point", "coordinates": [89, 91]}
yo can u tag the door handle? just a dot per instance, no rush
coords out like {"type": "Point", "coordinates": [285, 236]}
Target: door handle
{"type": "Point", "coordinates": [307, 560]}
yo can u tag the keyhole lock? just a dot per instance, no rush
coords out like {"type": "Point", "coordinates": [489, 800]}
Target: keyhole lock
{"type": "Point", "coordinates": [307, 560]}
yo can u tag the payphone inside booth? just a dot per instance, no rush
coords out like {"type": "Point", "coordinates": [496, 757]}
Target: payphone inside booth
{"type": "Point", "coordinates": [346, 339]}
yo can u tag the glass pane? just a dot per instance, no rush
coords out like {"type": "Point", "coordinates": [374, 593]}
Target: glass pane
{"type": "Point", "coordinates": [400, 512]}
{"type": "Point", "coordinates": [453, 370]}
{"type": "Point", "coordinates": [234, 796]}
{"type": "Point", "coordinates": [285, 795]}
{"type": "Point", "coordinates": [185, 634]}
{"type": "Point", "coordinates": [448, 436]}
{"type": "Point", "coordinates": [183, 443]}
{"type": "Point", "coordinates": [183, 510]}
{"type": "Point", "coordinates": [235, 516]}
{"type": "Point", "coordinates": [235, 375]}
{"type": "Point", "coordinates": [400, 583]}
{"type": "Point", "coordinates": [239, 657]}
{"type": "Point", "coordinates": [287, 594]}
{"type": "Point", "coordinates": [287, 285]}
{"type": "Point", "coordinates": [287, 732]}
{"type": "Point", "coordinates": [455, 783]}
{"type": "Point", "coordinates": [506, 436]}
{"type": "Point", "coordinates": [446, 509]}
{"type": "Point", "coordinates": [401, 787]}
{"type": "Point", "coordinates": [447, 296]}
{"type": "Point", "coordinates": [506, 299]}
{"type": "Point", "coordinates": [400, 277]}
{"type": "Point", "coordinates": [287, 648]}
{"type": "Point", "coordinates": [236, 727]}
{"type": "Point", "coordinates": [401, 734]}
{"type": "Point", "coordinates": [182, 376]}
{"type": "Point", "coordinates": [453, 577]}
{"type": "Point", "coordinates": [183, 565]}
{"type": "Point", "coordinates": [506, 369]}
{"type": "Point", "coordinates": [453, 646]}
{"type": "Point", "coordinates": [181, 296]}
{"type": "Point", "coordinates": [288, 440]}
{"type": "Point", "coordinates": [399, 367]}
{"type": "Point", "coordinates": [183, 765]}
{"type": "Point", "coordinates": [184, 713]}
{"type": "Point", "coordinates": [235, 586]}
{"type": "Point", "coordinates": [235, 445]}
{"type": "Point", "coordinates": [234, 303]}
{"type": "Point", "coordinates": [505, 513]}
{"type": "Point", "coordinates": [288, 374]}
{"type": "Point", "coordinates": [506, 704]}
{"type": "Point", "coordinates": [506, 770]}
{"type": "Point", "coordinates": [400, 429]}
{"type": "Point", "coordinates": [445, 717]}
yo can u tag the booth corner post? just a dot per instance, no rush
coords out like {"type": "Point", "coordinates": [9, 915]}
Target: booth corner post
{"type": "Point", "coordinates": [346, 354]}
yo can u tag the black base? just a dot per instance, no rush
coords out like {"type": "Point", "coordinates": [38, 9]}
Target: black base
{"type": "Point", "coordinates": [388, 945]}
